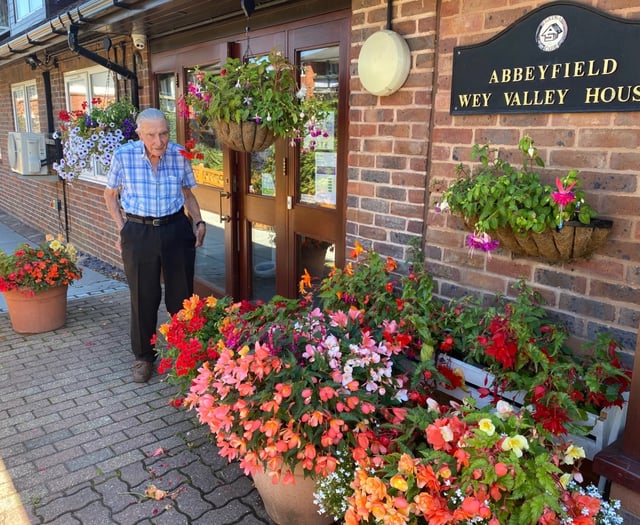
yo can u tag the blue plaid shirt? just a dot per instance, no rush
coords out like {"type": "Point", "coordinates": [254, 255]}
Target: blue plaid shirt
{"type": "Point", "coordinates": [142, 191]}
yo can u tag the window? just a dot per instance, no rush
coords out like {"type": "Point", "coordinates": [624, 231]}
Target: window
{"type": "Point", "coordinates": [25, 107]}
{"type": "Point", "coordinates": [4, 17]}
{"type": "Point", "coordinates": [24, 8]}
{"type": "Point", "coordinates": [24, 13]}
{"type": "Point", "coordinates": [167, 97]}
{"type": "Point", "coordinates": [85, 86]}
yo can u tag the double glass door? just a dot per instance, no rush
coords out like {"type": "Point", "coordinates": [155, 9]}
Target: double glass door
{"type": "Point", "coordinates": [273, 214]}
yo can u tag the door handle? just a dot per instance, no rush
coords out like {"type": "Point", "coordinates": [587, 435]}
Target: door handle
{"type": "Point", "coordinates": [224, 195]}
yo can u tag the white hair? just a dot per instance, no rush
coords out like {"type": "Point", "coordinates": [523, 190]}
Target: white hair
{"type": "Point", "coordinates": [150, 114]}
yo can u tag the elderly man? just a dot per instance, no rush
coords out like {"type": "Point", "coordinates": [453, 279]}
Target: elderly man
{"type": "Point", "coordinates": [148, 190]}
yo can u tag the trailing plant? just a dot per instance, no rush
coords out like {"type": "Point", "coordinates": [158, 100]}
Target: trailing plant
{"type": "Point", "coordinates": [95, 132]}
{"type": "Point", "coordinates": [498, 195]}
{"type": "Point", "coordinates": [263, 90]}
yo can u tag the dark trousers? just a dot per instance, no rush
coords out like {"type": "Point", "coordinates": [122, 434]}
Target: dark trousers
{"type": "Point", "coordinates": [150, 254]}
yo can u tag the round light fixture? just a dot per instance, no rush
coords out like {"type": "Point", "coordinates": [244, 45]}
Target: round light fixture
{"type": "Point", "coordinates": [384, 62]}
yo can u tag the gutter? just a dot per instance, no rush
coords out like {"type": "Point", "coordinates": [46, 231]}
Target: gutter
{"type": "Point", "coordinates": [55, 29]}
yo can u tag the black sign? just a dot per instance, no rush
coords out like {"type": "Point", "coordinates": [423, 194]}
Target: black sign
{"type": "Point", "coordinates": [562, 57]}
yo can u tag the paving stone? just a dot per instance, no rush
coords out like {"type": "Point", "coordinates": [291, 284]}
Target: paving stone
{"type": "Point", "coordinates": [88, 459]}
{"type": "Point", "coordinates": [191, 503]}
{"type": "Point", "coordinates": [73, 501]}
{"type": "Point", "coordinates": [78, 441]}
{"type": "Point", "coordinates": [115, 494]}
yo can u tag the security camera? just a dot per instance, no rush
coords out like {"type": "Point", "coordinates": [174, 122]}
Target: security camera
{"type": "Point", "coordinates": [139, 40]}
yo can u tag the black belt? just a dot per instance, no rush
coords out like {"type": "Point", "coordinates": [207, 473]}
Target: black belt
{"type": "Point", "coordinates": [156, 221]}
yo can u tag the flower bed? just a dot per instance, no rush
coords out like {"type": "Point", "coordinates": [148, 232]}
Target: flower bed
{"type": "Point", "coordinates": [605, 428]}
{"type": "Point", "coordinates": [339, 383]}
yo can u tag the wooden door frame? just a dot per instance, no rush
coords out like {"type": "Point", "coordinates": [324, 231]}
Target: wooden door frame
{"type": "Point", "coordinates": [178, 61]}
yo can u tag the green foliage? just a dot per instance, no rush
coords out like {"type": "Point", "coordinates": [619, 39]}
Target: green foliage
{"type": "Point", "coordinates": [499, 195]}
{"type": "Point", "coordinates": [264, 90]}
{"type": "Point", "coordinates": [31, 269]}
{"type": "Point", "coordinates": [516, 342]}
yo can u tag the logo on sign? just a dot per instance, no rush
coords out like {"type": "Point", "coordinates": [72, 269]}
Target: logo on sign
{"type": "Point", "coordinates": [551, 33]}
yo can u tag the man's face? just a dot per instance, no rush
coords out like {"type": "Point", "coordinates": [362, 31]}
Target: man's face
{"type": "Point", "coordinates": [154, 134]}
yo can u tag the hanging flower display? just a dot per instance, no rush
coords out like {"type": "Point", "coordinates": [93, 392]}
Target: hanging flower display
{"type": "Point", "coordinates": [93, 134]}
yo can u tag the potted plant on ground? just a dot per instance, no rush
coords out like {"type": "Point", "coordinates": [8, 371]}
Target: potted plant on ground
{"type": "Point", "coordinates": [286, 384]}
{"type": "Point", "coordinates": [251, 102]}
{"type": "Point", "coordinates": [287, 388]}
{"type": "Point", "coordinates": [510, 207]}
{"type": "Point", "coordinates": [34, 282]}
{"type": "Point", "coordinates": [93, 134]}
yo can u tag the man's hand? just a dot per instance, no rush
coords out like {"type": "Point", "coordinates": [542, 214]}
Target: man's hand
{"type": "Point", "coordinates": [201, 230]}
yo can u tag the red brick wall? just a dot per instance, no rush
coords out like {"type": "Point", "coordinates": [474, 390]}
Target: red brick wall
{"type": "Point", "coordinates": [398, 151]}
{"type": "Point", "coordinates": [86, 221]}
{"type": "Point", "coordinates": [389, 136]}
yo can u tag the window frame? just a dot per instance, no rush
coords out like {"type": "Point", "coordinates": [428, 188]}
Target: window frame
{"type": "Point", "coordinates": [31, 124]}
{"type": "Point", "coordinates": [34, 14]}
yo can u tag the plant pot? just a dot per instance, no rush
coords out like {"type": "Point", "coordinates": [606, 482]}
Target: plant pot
{"type": "Point", "coordinates": [606, 427]}
{"type": "Point", "coordinates": [35, 314]}
{"type": "Point", "coordinates": [246, 137]}
{"type": "Point", "coordinates": [290, 504]}
{"type": "Point", "coordinates": [574, 240]}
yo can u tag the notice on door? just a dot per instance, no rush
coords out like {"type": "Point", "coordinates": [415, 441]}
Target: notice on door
{"type": "Point", "coordinates": [326, 170]}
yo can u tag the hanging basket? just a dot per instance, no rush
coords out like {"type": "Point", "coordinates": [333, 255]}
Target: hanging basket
{"type": "Point", "coordinates": [246, 137]}
{"type": "Point", "coordinates": [574, 240]}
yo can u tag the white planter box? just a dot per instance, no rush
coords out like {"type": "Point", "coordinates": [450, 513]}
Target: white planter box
{"type": "Point", "coordinates": [607, 427]}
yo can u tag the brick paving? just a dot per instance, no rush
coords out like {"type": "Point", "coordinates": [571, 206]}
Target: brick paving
{"type": "Point", "coordinates": [80, 443]}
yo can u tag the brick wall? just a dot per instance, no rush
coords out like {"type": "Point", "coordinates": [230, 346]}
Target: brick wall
{"type": "Point", "coordinates": [401, 147]}
{"type": "Point", "coordinates": [399, 151]}
{"type": "Point", "coordinates": [84, 216]}
{"type": "Point", "coordinates": [389, 135]}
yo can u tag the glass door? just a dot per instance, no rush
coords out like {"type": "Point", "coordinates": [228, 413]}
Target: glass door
{"type": "Point", "coordinates": [290, 197]}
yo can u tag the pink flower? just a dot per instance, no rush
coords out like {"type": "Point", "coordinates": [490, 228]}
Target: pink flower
{"type": "Point", "coordinates": [563, 196]}
{"type": "Point", "coordinates": [481, 241]}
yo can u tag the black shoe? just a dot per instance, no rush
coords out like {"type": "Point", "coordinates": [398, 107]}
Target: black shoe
{"type": "Point", "coordinates": [141, 371]}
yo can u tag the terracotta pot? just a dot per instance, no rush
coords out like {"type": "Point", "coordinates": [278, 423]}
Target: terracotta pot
{"type": "Point", "coordinates": [290, 504]}
{"type": "Point", "coordinates": [42, 312]}
{"type": "Point", "coordinates": [246, 137]}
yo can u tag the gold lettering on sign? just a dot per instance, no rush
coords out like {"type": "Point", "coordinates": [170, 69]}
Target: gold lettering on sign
{"type": "Point", "coordinates": [474, 100]}
{"type": "Point", "coordinates": [577, 69]}
{"type": "Point", "coordinates": [606, 95]}
{"type": "Point", "coordinates": [546, 97]}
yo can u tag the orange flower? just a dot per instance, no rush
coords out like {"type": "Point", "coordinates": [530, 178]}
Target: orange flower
{"type": "Point", "coordinates": [355, 253]}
